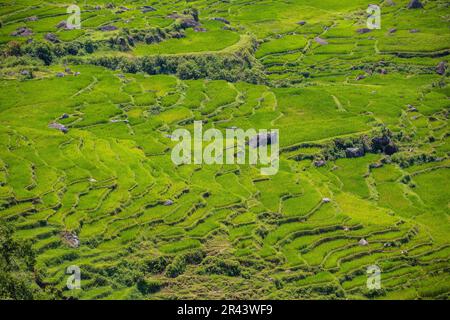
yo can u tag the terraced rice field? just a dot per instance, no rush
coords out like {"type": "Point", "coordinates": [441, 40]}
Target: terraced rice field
{"type": "Point", "coordinates": [148, 229]}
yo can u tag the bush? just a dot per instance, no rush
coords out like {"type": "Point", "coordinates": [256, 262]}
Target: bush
{"type": "Point", "coordinates": [214, 265]}
{"type": "Point", "coordinates": [188, 70]}
{"type": "Point", "coordinates": [18, 277]}
{"type": "Point", "coordinates": [148, 286]}
{"type": "Point", "coordinates": [177, 267]}
{"type": "Point", "coordinates": [156, 265]}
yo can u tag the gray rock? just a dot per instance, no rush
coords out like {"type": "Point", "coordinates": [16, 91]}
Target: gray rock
{"type": "Point", "coordinates": [319, 163]}
{"type": "Point", "coordinates": [51, 37]}
{"type": "Point", "coordinates": [320, 41]}
{"type": "Point", "coordinates": [146, 9]}
{"type": "Point", "coordinates": [221, 20]}
{"type": "Point", "coordinates": [441, 68]}
{"type": "Point", "coordinates": [107, 28]}
{"type": "Point", "coordinates": [22, 32]}
{"type": "Point", "coordinates": [32, 18]}
{"type": "Point", "coordinates": [263, 140]}
{"type": "Point", "coordinates": [168, 203]}
{"type": "Point", "coordinates": [364, 30]}
{"type": "Point", "coordinates": [354, 152]}
{"type": "Point", "coordinates": [58, 126]}
{"type": "Point", "coordinates": [363, 242]}
{"type": "Point", "coordinates": [199, 29]}
{"type": "Point", "coordinates": [415, 4]}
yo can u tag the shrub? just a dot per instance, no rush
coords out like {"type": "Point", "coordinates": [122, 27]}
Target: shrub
{"type": "Point", "coordinates": [214, 265]}
{"type": "Point", "coordinates": [148, 286]}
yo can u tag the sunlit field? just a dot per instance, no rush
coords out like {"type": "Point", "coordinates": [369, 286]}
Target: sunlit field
{"type": "Point", "coordinates": [363, 133]}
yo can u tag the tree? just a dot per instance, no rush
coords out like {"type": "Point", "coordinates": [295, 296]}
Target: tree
{"type": "Point", "coordinates": [13, 48]}
{"type": "Point", "coordinates": [40, 50]}
{"type": "Point", "coordinates": [17, 274]}
{"type": "Point", "coordinates": [188, 69]}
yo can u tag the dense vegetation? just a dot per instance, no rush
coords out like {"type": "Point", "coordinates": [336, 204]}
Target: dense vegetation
{"type": "Point", "coordinates": [86, 177]}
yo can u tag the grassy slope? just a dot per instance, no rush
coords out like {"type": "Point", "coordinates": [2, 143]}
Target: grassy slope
{"type": "Point", "coordinates": [107, 181]}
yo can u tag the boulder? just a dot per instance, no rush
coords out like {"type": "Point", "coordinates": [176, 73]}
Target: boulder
{"type": "Point", "coordinates": [441, 68]}
{"type": "Point", "coordinates": [363, 242]}
{"type": "Point", "coordinates": [189, 23]}
{"type": "Point", "coordinates": [319, 163]}
{"type": "Point", "coordinates": [32, 18]}
{"type": "Point", "coordinates": [71, 239]}
{"type": "Point", "coordinates": [51, 37]}
{"type": "Point", "coordinates": [168, 203]}
{"type": "Point", "coordinates": [411, 108]}
{"type": "Point", "coordinates": [221, 20]}
{"type": "Point", "coordinates": [302, 23]}
{"type": "Point", "coordinates": [63, 25]}
{"type": "Point", "coordinates": [263, 140]}
{"type": "Point", "coordinates": [200, 29]}
{"type": "Point", "coordinates": [320, 41]}
{"type": "Point", "coordinates": [146, 9]}
{"type": "Point", "coordinates": [354, 152]}
{"type": "Point", "coordinates": [22, 32]}
{"type": "Point", "coordinates": [364, 30]}
{"type": "Point", "coordinates": [392, 30]}
{"type": "Point", "coordinates": [58, 126]}
{"type": "Point", "coordinates": [415, 4]}
{"type": "Point", "coordinates": [375, 165]}
{"type": "Point", "coordinates": [108, 28]}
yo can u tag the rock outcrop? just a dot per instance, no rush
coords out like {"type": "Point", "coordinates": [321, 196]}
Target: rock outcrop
{"type": "Point", "coordinates": [415, 4]}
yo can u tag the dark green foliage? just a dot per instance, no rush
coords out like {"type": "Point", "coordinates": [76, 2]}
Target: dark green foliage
{"type": "Point", "coordinates": [179, 263]}
{"type": "Point", "coordinates": [148, 286]}
{"type": "Point", "coordinates": [156, 265]}
{"type": "Point", "coordinates": [214, 265]}
{"type": "Point", "coordinates": [17, 262]}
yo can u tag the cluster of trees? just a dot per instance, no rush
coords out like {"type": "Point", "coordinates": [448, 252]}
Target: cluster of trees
{"type": "Point", "coordinates": [47, 52]}
{"type": "Point", "coordinates": [380, 142]}
{"type": "Point", "coordinates": [19, 279]}
{"type": "Point", "coordinates": [127, 38]}
{"type": "Point", "coordinates": [215, 265]}
{"type": "Point", "coordinates": [231, 68]}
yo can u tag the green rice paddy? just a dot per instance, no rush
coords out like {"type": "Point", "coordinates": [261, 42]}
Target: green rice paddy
{"type": "Point", "coordinates": [149, 229]}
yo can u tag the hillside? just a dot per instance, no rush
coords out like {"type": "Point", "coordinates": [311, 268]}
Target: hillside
{"type": "Point", "coordinates": [86, 118]}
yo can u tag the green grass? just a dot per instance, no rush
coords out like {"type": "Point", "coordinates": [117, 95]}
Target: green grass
{"type": "Point", "coordinates": [110, 178]}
